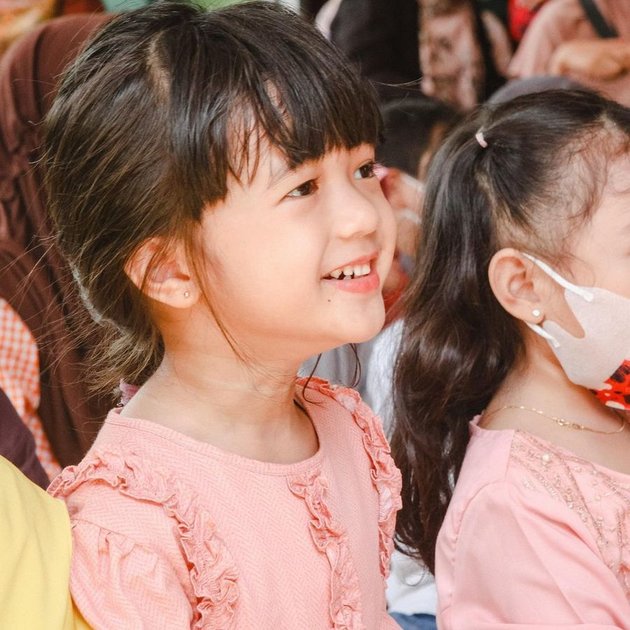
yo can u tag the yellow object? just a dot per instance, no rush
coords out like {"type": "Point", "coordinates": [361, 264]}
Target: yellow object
{"type": "Point", "coordinates": [35, 549]}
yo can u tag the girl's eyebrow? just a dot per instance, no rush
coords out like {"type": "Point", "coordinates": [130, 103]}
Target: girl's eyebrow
{"type": "Point", "coordinates": [278, 174]}
{"type": "Point", "coordinates": [285, 169]}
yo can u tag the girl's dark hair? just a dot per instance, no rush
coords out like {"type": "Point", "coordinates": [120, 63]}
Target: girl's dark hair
{"type": "Point", "coordinates": [539, 177]}
{"type": "Point", "coordinates": [162, 108]}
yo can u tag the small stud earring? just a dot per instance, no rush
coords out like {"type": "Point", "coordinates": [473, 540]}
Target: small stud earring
{"type": "Point", "coordinates": [536, 312]}
{"type": "Point", "coordinates": [186, 294]}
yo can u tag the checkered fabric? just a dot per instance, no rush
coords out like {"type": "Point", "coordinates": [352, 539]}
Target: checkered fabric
{"type": "Point", "coordinates": [19, 378]}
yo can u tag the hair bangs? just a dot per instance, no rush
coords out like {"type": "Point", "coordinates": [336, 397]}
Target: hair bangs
{"type": "Point", "coordinates": [306, 121]}
{"type": "Point", "coordinates": [290, 87]}
{"type": "Point", "coordinates": [300, 130]}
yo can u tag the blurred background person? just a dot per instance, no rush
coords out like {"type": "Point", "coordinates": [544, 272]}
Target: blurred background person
{"type": "Point", "coordinates": [453, 50]}
{"type": "Point", "coordinates": [584, 40]}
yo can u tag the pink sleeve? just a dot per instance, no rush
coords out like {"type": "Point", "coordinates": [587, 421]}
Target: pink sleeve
{"type": "Point", "coordinates": [513, 559]}
{"type": "Point", "coordinates": [117, 583]}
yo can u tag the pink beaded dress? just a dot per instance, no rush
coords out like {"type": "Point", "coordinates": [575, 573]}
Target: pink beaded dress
{"type": "Point", "coordinates": [534, 537]}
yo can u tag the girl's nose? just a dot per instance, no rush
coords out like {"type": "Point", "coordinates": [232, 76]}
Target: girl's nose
{"type": "Point", "coordinates": [359, 210]}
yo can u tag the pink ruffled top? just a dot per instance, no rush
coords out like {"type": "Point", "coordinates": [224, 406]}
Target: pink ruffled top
{"type": "Point", "coordinates": [534, 537]}
{"type": "Point", "coordinates": [174, 533]}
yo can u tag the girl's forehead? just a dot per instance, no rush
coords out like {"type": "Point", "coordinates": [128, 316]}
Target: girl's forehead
{"type": "Point", "coordinates": [260, 158]}
{"type": "Point", "coordinates": [618, 181]}
{"type": "Point", "coordinates": [611, 219]}
{"type": "Point", "coordinates": [614, 206]}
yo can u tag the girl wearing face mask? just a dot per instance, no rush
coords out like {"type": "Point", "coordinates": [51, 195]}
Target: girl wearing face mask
{"type": "Point", "coordinates": [513, 383]}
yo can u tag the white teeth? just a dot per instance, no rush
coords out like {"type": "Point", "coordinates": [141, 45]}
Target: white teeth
{"type": "Point", "coordinates": [350, 271]}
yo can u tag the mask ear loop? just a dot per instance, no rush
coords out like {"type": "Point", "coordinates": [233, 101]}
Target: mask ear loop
{"type": "Point", "coordinates": [583, 292]}
{"type": "Point", "coordinates": [539, 330]}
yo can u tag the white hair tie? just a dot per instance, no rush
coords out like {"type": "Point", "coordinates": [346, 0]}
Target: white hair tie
{"type": "Point", "coordinates": [481, 140]}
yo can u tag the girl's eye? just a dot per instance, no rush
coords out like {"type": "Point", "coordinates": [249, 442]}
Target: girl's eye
{"type": "Point", "coordinates": [304, 190]}
{"type": "Point", "coordinates": [365, 171]}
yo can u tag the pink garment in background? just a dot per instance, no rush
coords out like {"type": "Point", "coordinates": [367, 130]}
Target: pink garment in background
{"type": "Point", "coordinates": [560, 21]}
{"type": "Point", "coordinates": [534, 538]}
{"type": "Point", "coordinates": [19, 379]}
{"type": "Point", "coordinates": [170, 532]}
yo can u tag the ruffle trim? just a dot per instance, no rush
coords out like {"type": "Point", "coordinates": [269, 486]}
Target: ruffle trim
{"type": "Point", "coordinates": [330, 539]}
{"type": "Point", "coordinates": [212, 573]}
{"type": "Point", "coordinates": [386, 477]}
{"type": "Point", "coordinates": [328, 536]}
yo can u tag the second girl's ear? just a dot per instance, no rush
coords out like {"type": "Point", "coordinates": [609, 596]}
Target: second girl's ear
{"type": "Point", "coordinates": [161, 271]}
{"type": "Point", "coordinates": [514, 284]}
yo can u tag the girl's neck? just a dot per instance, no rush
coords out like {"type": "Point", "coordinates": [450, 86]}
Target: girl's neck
{"type": "Point", "coordinates": [539, 382]}
{"type": "Point", "coordinates": [250, 410]}
{"type": "Point", "coordinates": [543, 384]}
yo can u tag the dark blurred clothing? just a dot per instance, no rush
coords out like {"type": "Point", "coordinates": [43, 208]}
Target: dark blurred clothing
{"type": "Point", "coordinates": [382, 38]}
{"type": "Point", "coordinates": [17, 444]}
{"type": "Point", "coordinates": [310, 7]}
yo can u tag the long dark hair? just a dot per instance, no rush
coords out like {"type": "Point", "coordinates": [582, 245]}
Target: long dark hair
{"type": "Point", "coordinates": [541, 172]}
{"type": "Point", "coordinates": [161, 108]}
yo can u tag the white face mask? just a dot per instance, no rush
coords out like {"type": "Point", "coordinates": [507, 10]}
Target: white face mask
{"type": "Point", "coordinates": [600, 360]}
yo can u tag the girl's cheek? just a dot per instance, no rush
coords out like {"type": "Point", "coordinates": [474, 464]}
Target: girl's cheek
{"type": "Point", "coordinates": [392, 229]}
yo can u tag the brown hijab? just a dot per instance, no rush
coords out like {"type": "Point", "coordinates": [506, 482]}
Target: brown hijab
{"type": "Point", "coordinates": [34, 279]}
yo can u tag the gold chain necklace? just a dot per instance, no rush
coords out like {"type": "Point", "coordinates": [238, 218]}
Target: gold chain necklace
{"type": "Point", "coordinates": [562, 422]}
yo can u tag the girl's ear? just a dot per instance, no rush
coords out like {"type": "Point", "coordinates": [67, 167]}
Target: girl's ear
{"type": "Point", "coordinates": [161, 271]}
{"type": "Point", "coordinates": [515, 285]}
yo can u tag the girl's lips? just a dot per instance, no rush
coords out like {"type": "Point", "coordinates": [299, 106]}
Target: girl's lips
{"type": "Point", "coordinates": [363, 284]}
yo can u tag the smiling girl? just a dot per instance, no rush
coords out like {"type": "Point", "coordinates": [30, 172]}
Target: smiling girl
{"type": "Point", "coordinates": [212, 180]}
